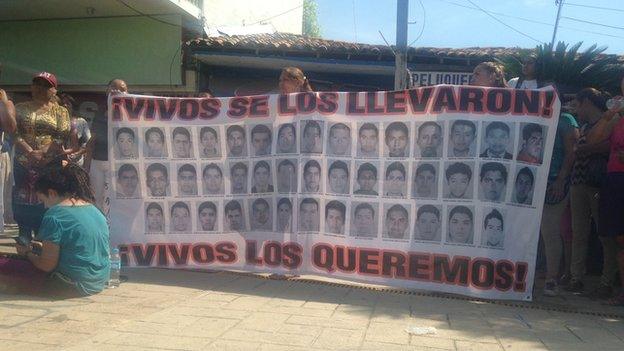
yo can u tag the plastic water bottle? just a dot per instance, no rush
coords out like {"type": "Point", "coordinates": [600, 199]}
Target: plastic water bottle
{"type": "Point", "coordinates": [115, 268]}
{"type": "Point", "coordinates": [617, 103]}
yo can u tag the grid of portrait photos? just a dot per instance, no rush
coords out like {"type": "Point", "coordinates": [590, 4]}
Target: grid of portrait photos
{"type": "Point", "coordinates": [442, 182]}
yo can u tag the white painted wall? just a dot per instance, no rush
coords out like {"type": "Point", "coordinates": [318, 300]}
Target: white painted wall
{"type": "Point", "coordinates": [220, 13]}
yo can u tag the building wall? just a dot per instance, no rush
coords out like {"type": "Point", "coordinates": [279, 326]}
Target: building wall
{"type": "Point", "coordinates": [92, 51]}
{"type": "Point", "coordinates": [247, 12]}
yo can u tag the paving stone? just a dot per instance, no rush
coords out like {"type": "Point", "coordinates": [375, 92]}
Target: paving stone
{"type": "Point", "coordinates": [477, 346]}
{"type": "Point", "coordinates": [168, 342]}
{"type": "Point", "coordinates": [387, 333]}
{"type": "Point", "coordinates": [433, 342]}
{"type": "Point", "coordinates": [268, 337]}
{"type": "Point", "coordinates": [377, 346]}
{"type": "Point", "coordinates": [263, 321]}
{"type": "Point", "coordinates": [339, 339]}
{"type": "Point", "coordinates": [328, 322]}
{"type": "Point", "coordinates": [230, 345]}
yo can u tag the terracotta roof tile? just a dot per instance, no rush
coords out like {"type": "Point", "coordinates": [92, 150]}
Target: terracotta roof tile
{"type": "Point", "coordinates": [304, 44]}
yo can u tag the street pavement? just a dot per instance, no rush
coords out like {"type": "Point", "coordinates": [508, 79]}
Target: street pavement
{"type": "Point", "coordinates": [187, 310]}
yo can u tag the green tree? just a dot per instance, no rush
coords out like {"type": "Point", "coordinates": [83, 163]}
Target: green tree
{"type": "Point", "coordinates": [310, 19]}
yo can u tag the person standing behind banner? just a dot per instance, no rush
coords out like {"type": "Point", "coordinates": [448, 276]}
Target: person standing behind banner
{"type": "Point", "coordinates": [81, 127]}
{"type": "Point", "coordinates": [587, 177]}
{"type": "Point", "coordinates": [43, 127]}
{"type": "Point", "coordinates": [489, 74]}
{"type": "Point", "coordinates": [528, 79]}
{"type": "Point", "coordinates": [611, 225]}
{"type": "Point", "coordinates": [557, 198]}
{"type": "Point", "coordinates": [99, 170]}
{"type": "Point", "coordinates": [7, 126]}
{"type": "Point", "coordinates": [292, 80]}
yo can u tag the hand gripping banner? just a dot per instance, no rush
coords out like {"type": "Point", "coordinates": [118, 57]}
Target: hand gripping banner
{"type": "Point", "coordinates": [438, 188]}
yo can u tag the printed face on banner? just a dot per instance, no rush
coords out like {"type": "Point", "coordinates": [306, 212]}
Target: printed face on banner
{"type": "Point", "coordinates": [128, 181]}
{"type": "Point", "coordinates": [234, 220]}
{"type": "Point", "coordinates": [155, 143]}
{"type": "Point", "coordinates": [207, 216]}
{"type": "Point", "coordinates": [236, 141]}
{"type": "Point", "coordinates": [309, 215]}
{"type": "Point", "coordinates": [209, 142]}
{"type": "Point", "coordinates": [364, 219]}
{"type": "Point", "coordinates": [395, 182]}
{"type": "Point", "coordinates": [261, 140]}
{"type": "Point", "coordinates": [397, 139]}
{"type": "Point", "coordinates": [532, 143]}
{"type": "Point", "coordinates": [498, 140]}
{"type": "Point", "coordinates": [493, 181]}
{"type": "Point", "coordinates": [125, 142]}
{"type": "Point", "coordinates": [154, 218]}
{"type": "Point", "coordinates": [339, 140]}
{"type": "Point", "coordinates": [238, 178]}
{"type": "Point", "coordinates": [287, 176]}
{"type": "Point", "coordinates": [312, 141]}
{"type": "Point", "coordinates": [312, 177]}
{"type": "Point", "coordinates": [425, 181]}
{"type": "Point", "coordinates": [284, 215]}
{"type": "Point", "coordinates": [212, 179]}
{"type": "Point", "coordinates": [366, 180]}
{"type": "Point", "coordinates": [429, 140]}
{"type": "Point", "coordinates": [461, 225]}
{"type": "Point", "coordinates": [458, 181]}
{"type": "Point", "coordinates": [428, 223]}
{"type": "Point", "coordinates": [260, 215]}
{"type": "Point", "coordinates": [187, 180]}
{"type": "Point", "coordinates": [157, 179]}
{"type": "Point", "coordinates": [262, 178]}
{"type": "Point", "coordinates": [397, 222]}
{"type": "Point", "coordinates": [287, 139]}
{"type": "Point", "coordinates": [338, 177]}
{"type": "Point", "coordinates": [493, 228]}
{"type": "Point", "coordinates": [180, 217]}
{"type": "Point", "coordinates": [182, 145]}
{"type": "Point", "coordinates": [335, 212]}
{"type": "Point", "coordinates": [368, 140]}
{"type": "Point", "coordinates": [462, 139]}
{"type": "Point", "coordinates": [523, 189]}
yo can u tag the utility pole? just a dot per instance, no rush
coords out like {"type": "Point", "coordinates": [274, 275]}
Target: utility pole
{"type": "Point", "coordinates": [552, 42]}
{"type": "Point", "coordinates": [400, 69]}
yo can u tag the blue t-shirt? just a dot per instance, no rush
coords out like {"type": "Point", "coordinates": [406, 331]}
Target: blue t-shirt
{"type": "Point", "coordinates": [567, 123]}
{"type": "Point", "coordinates": [81, 232]}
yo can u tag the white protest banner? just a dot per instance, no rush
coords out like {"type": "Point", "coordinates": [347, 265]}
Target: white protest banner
{"type": "Point", "coordinates": [438, 188]}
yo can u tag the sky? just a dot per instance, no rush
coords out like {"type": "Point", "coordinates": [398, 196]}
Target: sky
{"type": "Point", "coordinates": [460, 23]}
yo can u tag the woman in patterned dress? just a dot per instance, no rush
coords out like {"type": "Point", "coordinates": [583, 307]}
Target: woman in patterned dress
{"type": "Point", "coordinates": [43, 127]}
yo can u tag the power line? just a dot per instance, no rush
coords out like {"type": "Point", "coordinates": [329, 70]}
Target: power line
{"type": "Point", "coordinates": [593, 23]}
{"type": "Point", "coordinates": [532, 21]}
{"type": "Point", "coordinates": [422, 28]}
{"type": "Point", "coordinates": [149, 16]}
{"type": "Point", "coordinates": [594, 7]}
{"type": "Point", "coordinates": [279, 14]}
{"type": "Point", "coordinates": [505, 24]}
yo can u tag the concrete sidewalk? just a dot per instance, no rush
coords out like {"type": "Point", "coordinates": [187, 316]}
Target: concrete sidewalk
{"type": "Point", "coordinates": [184, 310]}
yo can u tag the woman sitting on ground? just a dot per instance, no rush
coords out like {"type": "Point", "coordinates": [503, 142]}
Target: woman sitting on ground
{"type": "Point", "coordinates": [70, 255]}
